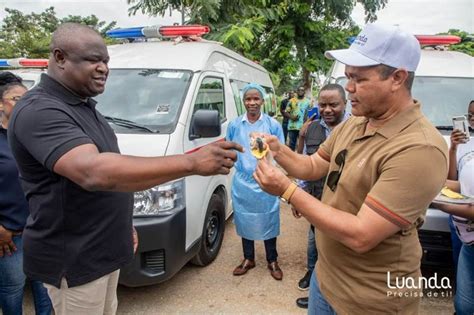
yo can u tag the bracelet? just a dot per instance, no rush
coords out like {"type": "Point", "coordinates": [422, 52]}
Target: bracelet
{"type": "Point", "coordinates": [289, 192]}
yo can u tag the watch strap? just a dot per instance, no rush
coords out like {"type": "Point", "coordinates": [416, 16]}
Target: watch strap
{"type": "Point", "coordinates": [289, 192]}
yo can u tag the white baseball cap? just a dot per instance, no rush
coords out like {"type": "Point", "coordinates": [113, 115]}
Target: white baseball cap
{"type": "Point", "coordinates": [380, 44]}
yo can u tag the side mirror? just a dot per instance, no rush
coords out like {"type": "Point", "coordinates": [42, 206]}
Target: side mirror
{"type": "Point", "coordinates": [205, 124]}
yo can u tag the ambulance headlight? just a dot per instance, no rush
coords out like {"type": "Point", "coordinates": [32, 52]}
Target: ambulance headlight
{"type": "Point", "coordinates": [160, 200]}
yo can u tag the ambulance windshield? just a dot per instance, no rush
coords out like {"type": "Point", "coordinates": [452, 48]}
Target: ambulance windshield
{"type": "Point", "coordinates": [146, 97]}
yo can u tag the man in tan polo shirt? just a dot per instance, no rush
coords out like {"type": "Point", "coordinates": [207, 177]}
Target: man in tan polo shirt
{"type": "Point", "coordinates": [384, 165]}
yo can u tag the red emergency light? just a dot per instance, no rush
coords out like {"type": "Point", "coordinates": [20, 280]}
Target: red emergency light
{"type": "Point", "coordinates": [40, 63]}
{"type": "Point", "coordinates": [23, 63]}
{"type": "Point", "coordinates": [184, 30]}
{"type": "Point", "coordinates": [432, 40]}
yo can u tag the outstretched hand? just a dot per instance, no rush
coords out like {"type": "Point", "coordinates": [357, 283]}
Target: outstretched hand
{"type": "Point", "coordinates": [216, 158]}
{"type": "Point", "coordinates": [270, 178]}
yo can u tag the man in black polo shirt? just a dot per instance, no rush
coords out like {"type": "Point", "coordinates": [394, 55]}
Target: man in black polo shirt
{"type": "Point", "coordinates": [79, 187]}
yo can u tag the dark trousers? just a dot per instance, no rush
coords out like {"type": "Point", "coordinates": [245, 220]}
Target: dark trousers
{"type": "Point", "coordinates": [293, 135]}
{"type": "Point", "coordinates": [284, 126]}
{"type": "Point", "coordinates": [270, 249]}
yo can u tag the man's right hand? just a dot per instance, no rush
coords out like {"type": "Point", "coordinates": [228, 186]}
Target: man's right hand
{"type": "Point", "coordinates": [6, 243]}
{"type": "Point", "coordinates": [272, 141]}
{"type": "Point", "coordinates": [457, 137]}
{"type": "Point", "coordinates": [216, 158]}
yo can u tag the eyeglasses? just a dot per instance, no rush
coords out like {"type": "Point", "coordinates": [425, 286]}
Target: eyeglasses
{"type": "Point", "coordinates": [13, 98]}
{"type": "Point", "coordinates": [333, 177]}
{"type": "Point", "coordinates": [469, 115]}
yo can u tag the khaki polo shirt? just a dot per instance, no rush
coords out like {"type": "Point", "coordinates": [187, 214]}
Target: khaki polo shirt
{"type": "Point", "coordinates": [396, 170]}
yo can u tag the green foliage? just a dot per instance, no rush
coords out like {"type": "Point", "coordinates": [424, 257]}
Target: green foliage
{"type": "Point", "coordinates": [467, 42]}
{"type": "Point", "coordinates": [287, 37]}
{"type": "Point", "coordinates": [29, 35]}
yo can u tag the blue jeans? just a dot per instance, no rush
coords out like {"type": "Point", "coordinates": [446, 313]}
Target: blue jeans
{"type": "Point", "coordinates": [293, 135]}
{"type": "Point", "coordinates": [311, 252]}
{"type": "Point", "coordinates": [284, 126]}
{"type": "Point", "coordinates": [12, 282]}
{"type": "Point", "coordinates": [317, 304]}
{"type": "Point", "coordinates": [464, 299]}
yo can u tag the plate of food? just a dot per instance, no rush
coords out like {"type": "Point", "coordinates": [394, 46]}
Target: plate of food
{"type": "Point", "coordinates": [449, 196]}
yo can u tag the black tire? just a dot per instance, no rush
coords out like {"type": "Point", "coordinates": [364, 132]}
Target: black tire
{"type": "Point", "coordinates": [213, 232]}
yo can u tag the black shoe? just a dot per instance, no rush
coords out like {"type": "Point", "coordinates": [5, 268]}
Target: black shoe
{"type": "Point", "coordinates": [302, 302]}
{"type": "Point", "coordinates": [303, 284]}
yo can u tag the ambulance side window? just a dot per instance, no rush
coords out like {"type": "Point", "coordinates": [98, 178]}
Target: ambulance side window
{"type": "Point", "coordinates": [211, 96]}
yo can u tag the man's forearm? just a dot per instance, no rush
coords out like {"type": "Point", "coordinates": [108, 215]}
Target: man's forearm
{"type": "Point", "coordinates": [125, 173]}
{"type": "Point", "coordinates": [452, 170]}
{"type": "Point", "coordinates": [463, 211]}
{"type": "Point", "coordinates": [298, 165]}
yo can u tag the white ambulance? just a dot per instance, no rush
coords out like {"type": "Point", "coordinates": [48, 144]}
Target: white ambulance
{"type": "Point", "coordinates": [444, 84]}
{"type": "Point", "coordinates": [167, 97]}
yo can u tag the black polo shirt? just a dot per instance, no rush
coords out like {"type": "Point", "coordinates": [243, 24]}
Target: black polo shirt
{"type": "Point", "coordinates": [72, 233]}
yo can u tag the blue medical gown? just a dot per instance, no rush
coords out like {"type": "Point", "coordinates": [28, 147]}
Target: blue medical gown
{"type": "Point", "coordinates": [256, 213]}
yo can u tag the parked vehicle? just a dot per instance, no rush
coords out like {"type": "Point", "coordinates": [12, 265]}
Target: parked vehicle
{"type": "Point", "coordinates": [444, 84]}
{"type": "Point", "coordinates": [157, 99]}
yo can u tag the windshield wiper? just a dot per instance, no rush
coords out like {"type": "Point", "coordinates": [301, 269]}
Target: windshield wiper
{"type": "Point", "coordinates": [128, 123]}
{"type": "Point", "coordinates": [444, 127]}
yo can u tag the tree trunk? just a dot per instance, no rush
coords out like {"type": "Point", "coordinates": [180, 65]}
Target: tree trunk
{"type": "Point", "coordinates": [307, 81]}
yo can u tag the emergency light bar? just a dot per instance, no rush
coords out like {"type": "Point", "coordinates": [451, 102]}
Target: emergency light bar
{"type": "Point", "coordinates": [158, 31]}
{"type": "Point", "coordinates": [430, 40]}
{"type": "Point", "coordinates": [23, 63]}
{"type": "Point", "coordinates": [438, 39]}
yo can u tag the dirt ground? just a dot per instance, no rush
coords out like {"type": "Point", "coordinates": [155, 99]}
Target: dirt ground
{"type": "Point", "coordinates": [214, 290]}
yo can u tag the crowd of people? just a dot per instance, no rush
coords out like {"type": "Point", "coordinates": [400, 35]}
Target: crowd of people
{"type": "Point", "coordinates": [353, 176]}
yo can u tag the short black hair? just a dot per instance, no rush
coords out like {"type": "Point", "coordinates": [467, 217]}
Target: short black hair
{"type": "Point", "coordinates": [335, 87]}
{"type": "Point", "coordinates": [7, 80]}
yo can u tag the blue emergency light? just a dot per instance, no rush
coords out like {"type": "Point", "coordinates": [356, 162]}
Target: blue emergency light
{"type": "Point", "coordinates": [133, 32]}
{"type": "Point", "coordinates": [158, 31]}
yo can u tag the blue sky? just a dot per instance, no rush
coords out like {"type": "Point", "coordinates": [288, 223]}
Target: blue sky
{"type": "Point", "coordinates": [436, 15]}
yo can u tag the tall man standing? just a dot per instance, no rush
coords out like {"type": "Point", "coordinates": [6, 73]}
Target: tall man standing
{"type": "Point", "coordinates": [285, 114]}
{"type": "Point", "coordinates": [78, 186]}
{"type": "Point", "coordinates": [372, 201]}
{"type": "Point", "coordinates": [297, 108]}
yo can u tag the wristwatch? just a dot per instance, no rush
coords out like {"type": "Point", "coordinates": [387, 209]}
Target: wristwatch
{"type": "Point", "coordinates": [286, 196]}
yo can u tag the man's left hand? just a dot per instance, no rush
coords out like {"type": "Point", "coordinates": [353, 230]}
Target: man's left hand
{"type": "Point", "coordinates": [270, 178]}
{"type": "Point", "coordinates": [7, 246]}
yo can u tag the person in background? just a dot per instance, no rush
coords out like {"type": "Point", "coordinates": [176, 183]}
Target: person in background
{"type": "Point", "coordinates": [13, 214]}
{"type": "Point", "coordinates": [256, 213]}
{"type": "Point", "coordinates": [372, 201]}
{"type": "Point", "coordinates": [461, 167]}
{"type": "Point", "coordinates": [297, 108]}
{"type": "Point", "coordinates": [78, 185]}
{"type": "Point", "coordinates": [285, 114]}
{"type": "Point", "coordinates": [332, 104]}
{"type": "Point", "coordinates": [457, 138]}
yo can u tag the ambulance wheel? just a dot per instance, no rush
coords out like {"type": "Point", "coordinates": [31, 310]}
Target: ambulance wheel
{"type": "Point", "coordinates": [213, 232]}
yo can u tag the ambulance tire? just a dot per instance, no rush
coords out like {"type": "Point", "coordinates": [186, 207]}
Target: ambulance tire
{"type": "Point", "coordinates": [213, 232]}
